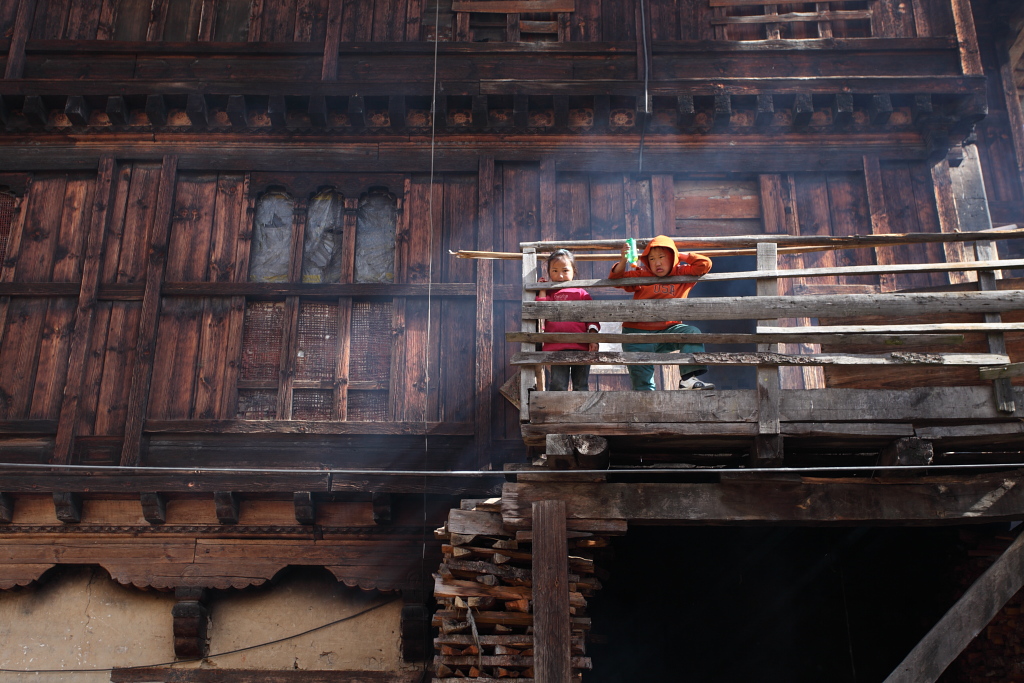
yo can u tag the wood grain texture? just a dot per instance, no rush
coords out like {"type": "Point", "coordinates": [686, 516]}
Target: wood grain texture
{"type": "Point", "coordinates": [551, 622]}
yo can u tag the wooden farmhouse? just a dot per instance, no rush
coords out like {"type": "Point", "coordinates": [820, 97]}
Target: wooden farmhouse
{"type": "Point", "coordinates": [274, 399]}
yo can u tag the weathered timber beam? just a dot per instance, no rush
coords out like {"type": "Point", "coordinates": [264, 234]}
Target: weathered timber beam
{"type": "Point", "coordinates": [1002, 372]}
{"type": "Point", "coordinates": [552, 626]}
{"type": "Point", "coordinates": [156, 110]}
{"type": "Point", "coordinates": [144, 484]}
{"type": "Point", "coordinates": [894, 329]}
{"type": "Point", "coordinates": [923, 404]}
{"type": "Point", "coordinates": [455, 485]}
{"type": "Point", "coordinates": [765, 111]}
{"type": "Point", "coordinates": [197, 111]}
{"type": "Point", "coordinates": [935, 500]}
{"type": "Point", "coordinates": [739, 308]}
{"type": "Point", "coordinates": [306, 427]}
{"type": "Point", "coordinates": [117, 110]}
{"type": "Point", "coordinates": [842, 111]}
{"type": "Point", "coordinates": [15, 66]}
{"type": "Point", "coordinates": [803, 110]}
{"type": "Point", "coordinates": [965, 619]}
{"type": "Point", "coordinates": [757, 358]}
{"type": "Point", "coordinates": [889, 340]}
{"type": "Point", "coordinates": [880, 110]}
{"type": "Point", "coordinates": [381, 508]}
{"type": "Point", "coordinates": [77, 110]}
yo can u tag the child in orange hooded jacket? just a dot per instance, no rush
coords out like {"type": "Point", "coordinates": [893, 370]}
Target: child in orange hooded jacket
{"type": "Point", "coordinates": [661, 258]}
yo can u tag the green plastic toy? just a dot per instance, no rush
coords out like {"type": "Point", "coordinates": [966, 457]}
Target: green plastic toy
{"type": "Point", "coordinates": [632, 257]}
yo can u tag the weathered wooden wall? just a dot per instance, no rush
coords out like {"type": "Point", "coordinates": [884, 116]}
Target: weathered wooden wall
{"type": "Point", "coordinates": [430, 355]}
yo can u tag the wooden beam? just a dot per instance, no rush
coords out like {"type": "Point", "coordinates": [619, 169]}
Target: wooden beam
{"type": "Point", "coordinates": [920, 500]}
{"type": "Point", "coordinates": [967, 617]}
{"type": "Point", "coordinates": [755, 358]}
{"type": "Point", "coordinates": [16, 51]}
{"type": "Point", "coordinates": [81, 333]}
{"type": "Point", "coordinates": [969, 266]}
{"type": "Point", "coordinates": [189, 622]}
{"type": "Point", "coordinates": [305, 507]}
{"type": "Point", "coordinates": [551, 622]}
{"type": "Point", "coordinates": [514, 6]}
{"type": "Point", "coordinates": [966, 404]}
{"type": "Point", "coordinates": [767, 447]}
{"type": "Point", "coordinates": [886, 340]}
{"type": "Point", "coordinates": [967, 38]}
{"type": "Point", "coordinates": [329, 71]}
{"type": "Point", "coordinates": [527, 376]}
{"type": "Point", "coordinates": [68, 507]}
{"type": "Point", "coordinates": [142, 371]}
{"type": "Point", "coordinates": [740, 308]}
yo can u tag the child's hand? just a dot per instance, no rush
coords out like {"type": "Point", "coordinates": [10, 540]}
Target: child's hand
{"type": "Point", "coordinates": [593, 348]}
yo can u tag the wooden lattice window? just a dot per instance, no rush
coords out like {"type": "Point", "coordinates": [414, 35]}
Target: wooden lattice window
{"type": "Point", "coordinates": [306, 359]}
{"type": "Point", "coordinates": [512, 20]}
{"type": "Point", "coordinates": [764, 20]}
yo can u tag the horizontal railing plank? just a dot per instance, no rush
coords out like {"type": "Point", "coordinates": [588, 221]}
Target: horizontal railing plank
{"type": "Point", "coordinates": [895, 329]}
{"type": "Point", "coordinates": [763, 307]}
{"type": "Point", "coordinates": [891, 340]}
{"type": "Point", "coordinates": [1003, 232]}
{"type": "Point", "coordinates": [754, 358]}
{"type": "Point", "coordinates": [964, 266]}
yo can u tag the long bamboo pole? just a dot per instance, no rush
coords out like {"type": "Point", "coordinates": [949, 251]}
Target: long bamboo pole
{"type": "Point", "coordinates": [828, 242]}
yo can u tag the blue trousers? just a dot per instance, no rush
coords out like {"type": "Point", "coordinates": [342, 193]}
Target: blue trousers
{"type": "Point", "coordinates": [642, 376]}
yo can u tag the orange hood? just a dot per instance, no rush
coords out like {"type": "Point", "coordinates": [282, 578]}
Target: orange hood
{"type": "Point", "coordinates": [661, 241]}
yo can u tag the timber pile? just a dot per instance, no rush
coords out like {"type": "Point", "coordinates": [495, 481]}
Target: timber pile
{"type": "Point", "coordinates": [484, 590]}
{"type": "Point", "coordinates": [997, 653]}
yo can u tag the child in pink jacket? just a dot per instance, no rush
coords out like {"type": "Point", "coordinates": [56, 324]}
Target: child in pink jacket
{"type": "Point", "coordinates": [562, 268]}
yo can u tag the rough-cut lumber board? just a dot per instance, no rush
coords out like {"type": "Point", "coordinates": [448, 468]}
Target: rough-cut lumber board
{"type": "Point", "coordinates": [1003, 371]}
{"type": "Point", "coordinates": [527, 377]}
{"type": "Point", "coordinates": [768, 387]}
{"type": "Point", "coordinates": [836, 339]}
{"type": "Point", "coordinates": [739, 308]}
{"type": "Point", "coordinates": [551, 626]}
{"type": "Point", "coordinates": [894, 329]}
{"type": "Point", "coordinates": [283, 482]}
{"type": "Point", "coordinates": [329, 71]}
{"type": "Point", "coordinates": [475, 523]}
{"type": "Point", "coordinates": [790, 17]}
{"type": "Point", "coordinates": [103, 196]}
{"type": "Point", "coordinates": [306, 427]}
{"type": "Point", "coordinates": [939, 500]}
{"type": "Point", "coordinates": [142, 372]}
{"type": "Point", "coordinates": [754, 358]}
{"type": "Point", "coordinates": [592, 409]}
{"type": "Point", "coordinates": [793, 273]}
{"type": "Point", "coordinates": [965, 619]}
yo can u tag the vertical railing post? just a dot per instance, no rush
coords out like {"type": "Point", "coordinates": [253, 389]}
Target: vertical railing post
{"type": "Point", "coordinates": [767, 449]}
{"type": "Point", "coordinates": [527, 374]}
{"type": "Point", "coordinates": [988, 281]}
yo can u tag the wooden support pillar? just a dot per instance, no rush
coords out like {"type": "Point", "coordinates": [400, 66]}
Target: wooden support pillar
{"type": "Point", "coordinates": [484, 344]}
{"type": "Point", "coordinates": [965, 619]}
{"type": "Point", "coordinates": [973, 214]}
{"type": "Point", "coordinates": [415, 629]}
{"type": "Point", "coordinates": [967, 38]}
{"type": "Point", "coordinates": [142, 372]}
{"type": "Point", "coordinates": [527, 375]}
{"type": "Point", "coordinates": [551, 620]}
{"type": "Point", "coordinates": [767, 448]}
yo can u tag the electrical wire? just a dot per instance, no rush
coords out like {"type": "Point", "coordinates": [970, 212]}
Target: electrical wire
{"type": "Point", "coordinates": [142, 469]}
{"type": "Point", "coordinates": [200, 659]}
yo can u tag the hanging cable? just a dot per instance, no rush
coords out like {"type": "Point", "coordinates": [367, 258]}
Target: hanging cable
{"type": "Point", "coordinates": [247, 648]}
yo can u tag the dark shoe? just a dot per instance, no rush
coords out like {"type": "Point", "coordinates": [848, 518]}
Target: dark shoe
{"type": "Point", "coordinates": [694, 383]}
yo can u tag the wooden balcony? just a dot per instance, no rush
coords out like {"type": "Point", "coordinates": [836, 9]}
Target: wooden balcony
{"type": "Point", "coordinates": [973, 415]}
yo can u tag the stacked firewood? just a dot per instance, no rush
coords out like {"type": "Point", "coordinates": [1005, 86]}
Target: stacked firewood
{"type": "Point", "coordinates": [484, 591]}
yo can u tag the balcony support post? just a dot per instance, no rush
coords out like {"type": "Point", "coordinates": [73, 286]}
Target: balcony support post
{"type": "Point", "coordinates": [528, 375]}
{"type": "Point", "coordinates": [767, 448]}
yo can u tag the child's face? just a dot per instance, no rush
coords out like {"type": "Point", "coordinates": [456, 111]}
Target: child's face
{"type": "Point", "coordinates": [560, 270]}
{"type": "Point", "coordinates": [660, 261]}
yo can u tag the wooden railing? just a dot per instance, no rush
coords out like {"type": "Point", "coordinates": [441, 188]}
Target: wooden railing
{"type": "Point", "coordinates": [933, 344]}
